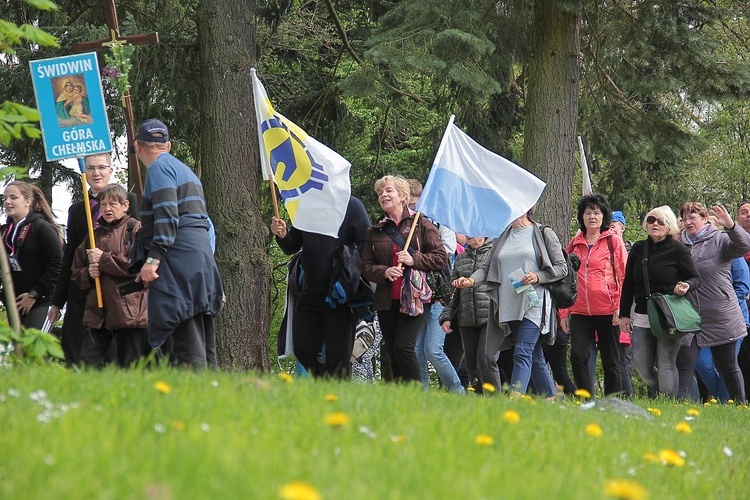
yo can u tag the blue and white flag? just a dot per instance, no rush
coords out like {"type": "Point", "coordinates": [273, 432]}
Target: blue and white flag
{"type": "Point", "coordinates": [313, 179]}
{"type": "Point", "coordinates": [474, 191]}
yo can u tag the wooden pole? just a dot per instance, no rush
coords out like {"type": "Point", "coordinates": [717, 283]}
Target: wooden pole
{"type": "Point", "coordinates": [14, 319]}
{"type": "Point", "coordinates": [92, 239]}
{"type": "Point", "coordinates": [134, 164]}
{"type": "Point", "coordinates": [411, 233]}
{"type": "Point", "coordinates": [272, 183]}
{"type": "Point", "coordinates": [135, 180]}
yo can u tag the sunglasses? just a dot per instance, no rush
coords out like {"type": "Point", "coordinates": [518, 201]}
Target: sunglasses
{"type": "Point", "coordinates": [651, 219]}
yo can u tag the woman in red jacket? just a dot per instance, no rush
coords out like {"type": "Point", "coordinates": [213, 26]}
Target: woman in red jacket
{"type": "Point", "coordinates": [595, 315]}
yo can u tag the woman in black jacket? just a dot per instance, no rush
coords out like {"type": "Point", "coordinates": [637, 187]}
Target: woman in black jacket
{"type": "Point", "coordinates": [34, 249]}
{"type": "Point", "coordinates": [670, 270]}
{"type": "Point", "coordinates": [469, 307]}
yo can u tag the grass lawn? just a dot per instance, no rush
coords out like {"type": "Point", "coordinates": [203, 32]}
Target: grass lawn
{"type": "Point", "coordinates": [173, 434]}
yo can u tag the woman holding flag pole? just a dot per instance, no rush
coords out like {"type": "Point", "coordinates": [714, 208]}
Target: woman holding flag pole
{"type": "Point", "coordinates": [400, 248]}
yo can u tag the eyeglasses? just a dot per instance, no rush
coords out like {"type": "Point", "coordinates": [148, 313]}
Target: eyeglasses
{"type": "Point", "coordinates": [98, 168]}
{"type": "Point", "coordinates": [692, 218]}
{"type": "Point", "coordinates": [651, 219]}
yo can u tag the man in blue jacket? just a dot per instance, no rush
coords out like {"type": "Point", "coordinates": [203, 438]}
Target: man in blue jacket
{"type": "Point", "coordinates": [185, 289]}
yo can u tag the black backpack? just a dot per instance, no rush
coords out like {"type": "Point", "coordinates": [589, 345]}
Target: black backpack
{"type": "Point", "coordinates": [347, 286]}
{"type": "Point", "coordinates": [565, 291]}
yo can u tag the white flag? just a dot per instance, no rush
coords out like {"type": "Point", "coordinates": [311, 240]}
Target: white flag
{"type": "Point", "coordinates": [586, 189]}
{"type": "Point", "coordinates": [312, 178]}
{"type": "Point", "coordinates": [474, 191]}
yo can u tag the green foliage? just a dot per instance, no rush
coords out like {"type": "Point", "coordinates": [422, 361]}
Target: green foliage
{"type": "Point", "coordinates": [656, 77]}
{"type": "Point", "coordinates": [252, 435]}
{"type": "Point", "coordinates": [17, 120]}
{"type": "Point", "coordinates": [37, 347]}
{"type": "Point", "coordinates": [118, 67]}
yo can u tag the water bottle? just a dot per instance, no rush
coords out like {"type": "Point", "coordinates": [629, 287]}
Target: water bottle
{"type": "Point", "coordinates": [532, 297]}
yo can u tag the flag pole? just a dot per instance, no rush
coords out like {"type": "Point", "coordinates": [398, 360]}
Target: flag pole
{"type": "Point", "coordinates": [272, 184]}
{"type": "Point", "coordinates": [411, 233]}
{"type": "Point", "coordinates": [92, 240]}
{"type": "Point", "coordinates": [266, 169]}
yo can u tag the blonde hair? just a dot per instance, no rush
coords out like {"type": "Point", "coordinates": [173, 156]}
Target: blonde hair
{"type": "Point", "coordinates": [97, 155]}
{"type": "Point", "coordinates": [666, 214]}
{"type": "Point", "coordinates": [415, 188]}
{"type": "Point", "coordinates": [401, 185]}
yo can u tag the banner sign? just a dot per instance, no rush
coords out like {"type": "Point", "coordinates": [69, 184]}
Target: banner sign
{"type": "Point", "coordinates": [69, 96]}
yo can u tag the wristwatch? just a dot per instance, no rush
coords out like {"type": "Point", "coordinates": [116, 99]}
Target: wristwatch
{"type": "Point", "coordinates": [152, 262]}
{"type": "Point", "coordinates": [33, 294]}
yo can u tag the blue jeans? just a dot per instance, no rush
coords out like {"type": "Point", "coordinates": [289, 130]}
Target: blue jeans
{"type": "Point", "coordinates": [528, 360]}
{"type": "Point", "coordinates": [430, 348]}
{"type": "Point", "coordinates": [708, 373]}
{"type": "Point", "coordinates": [655, 360]}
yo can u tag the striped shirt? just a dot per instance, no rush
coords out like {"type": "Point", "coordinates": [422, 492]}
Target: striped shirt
{"type": "Point", "coordinates": [172, 197]}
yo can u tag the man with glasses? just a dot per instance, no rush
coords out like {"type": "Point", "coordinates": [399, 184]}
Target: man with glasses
{"type": "Point", "coordinates": [98, 174]}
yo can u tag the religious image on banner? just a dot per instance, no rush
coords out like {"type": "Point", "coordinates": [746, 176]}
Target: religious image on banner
{"type": "Point", "coordinates": [71, 100]}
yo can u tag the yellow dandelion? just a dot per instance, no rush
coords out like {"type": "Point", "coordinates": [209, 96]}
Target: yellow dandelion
{"type": "Point", "coordinates": [512, 417]}
{"type": "Point", "coordinates": [671, 457]}
{"type": "Point", "coordinates": [625, 490]}
{"type": "Point", "coordinates": [651, 458]}
{"type": "Point", "coordinates": [299, 490]}
{"type": "Point", "coordinates": [713, 401]}
{"type": "Point", "coordinates": [337, 419]}
{"type": "Point", "coordinates": [594, 430]}
{"type": "Point", "coordinates": [484, 440]}
{"type": "Point", "coordinates": [177, 425]}
{"type": "Point", "coordinates": [654, 411]}
{"type": "Point", "coordinates": [471, 389]}
{"type": "Point", "coordinates": [684, 428]}
{"type": "Point", "coordinates": [163, 387]}
{"type": "Point", "coordinates": [582, 393]}
{"type": "Point", "coordinates": [398, 439]}
{"type": "Point", "coordinates": [331, 398]}
{"type": "Point", "coordinates": [730, 401]}
{"type": "Point", "coordinates": [693, 412]}
{"type": "Point", "coordinates": [286, 378]}
{"type": "Point", "coordinates": [487, 387]}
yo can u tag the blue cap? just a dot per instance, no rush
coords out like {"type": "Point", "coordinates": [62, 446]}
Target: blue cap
{"type": "Point", "coordinates": [152, 130]}
{"type": "Point", "coordinates": [618, 216]}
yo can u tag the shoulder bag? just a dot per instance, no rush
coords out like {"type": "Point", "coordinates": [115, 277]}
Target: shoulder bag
{"type": "Point", "coordinates": [669, 315]}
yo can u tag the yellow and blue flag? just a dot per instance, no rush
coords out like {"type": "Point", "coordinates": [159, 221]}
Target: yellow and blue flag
{"type": "Point", "coordinates": [313, 179]}
{"type": "Point", "coordinates": [474, 191]}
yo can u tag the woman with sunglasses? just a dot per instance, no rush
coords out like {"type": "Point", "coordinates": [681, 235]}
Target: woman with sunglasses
{"type": "Point", "coordinates": [722, 324]}
{"type": "Point", "coordinates": [670, 270]}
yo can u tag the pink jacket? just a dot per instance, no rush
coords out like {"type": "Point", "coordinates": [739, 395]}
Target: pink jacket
{"type": "Point", "coordinates": [599, 280]}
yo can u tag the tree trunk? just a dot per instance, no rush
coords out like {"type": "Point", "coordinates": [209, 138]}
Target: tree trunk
{"type": "Point", "coordinates": [552, 109]}
{"type": "Point", "coordinates": [230, 171]}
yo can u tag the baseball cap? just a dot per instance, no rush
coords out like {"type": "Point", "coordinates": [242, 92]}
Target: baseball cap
{"type": "Point", "coordinates": [152, 130]}
{"type": "Point", "coordinates": [618, 216]}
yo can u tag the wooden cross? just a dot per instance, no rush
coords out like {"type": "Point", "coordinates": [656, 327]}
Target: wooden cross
{"type": "Point", "coordinates": [135, 180]}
